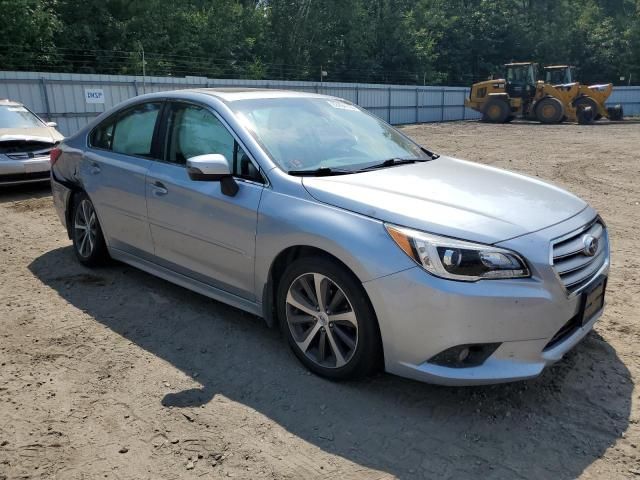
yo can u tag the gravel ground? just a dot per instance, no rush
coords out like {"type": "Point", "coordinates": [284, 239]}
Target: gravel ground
{"type": "Point", "coordinates": [112, 373]}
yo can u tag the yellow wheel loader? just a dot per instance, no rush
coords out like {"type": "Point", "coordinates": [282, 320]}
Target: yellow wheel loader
{"type": "Point", "coordinates": [522, 94]}
{"type": "Point", "coordinates": [593, 96]}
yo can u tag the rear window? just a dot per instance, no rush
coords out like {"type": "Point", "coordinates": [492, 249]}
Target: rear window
{"type": "Point", "coordinates": [17, 116]}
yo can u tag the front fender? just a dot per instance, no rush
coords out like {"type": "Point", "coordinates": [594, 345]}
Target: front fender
{"type": "Point", "coordinates": [359, 242]}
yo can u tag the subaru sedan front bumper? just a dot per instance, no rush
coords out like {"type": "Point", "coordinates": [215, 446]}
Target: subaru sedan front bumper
{"type": "Point", "coordinates": [422, 316]}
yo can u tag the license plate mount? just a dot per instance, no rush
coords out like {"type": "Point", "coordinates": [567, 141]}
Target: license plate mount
{"type": "Point", "coordinates": [592, 300]}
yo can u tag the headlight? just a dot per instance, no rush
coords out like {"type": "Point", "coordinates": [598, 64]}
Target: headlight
{"type": "Point", "coordinates": [457, 259]}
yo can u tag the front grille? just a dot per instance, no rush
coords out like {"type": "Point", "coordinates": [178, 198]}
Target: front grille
{"type": "Point", "coordinates": [24, 146]}
{"type": "Point", "coordinates": [27, 155]}
{"type": "Point", "coordinates": [572, 264]}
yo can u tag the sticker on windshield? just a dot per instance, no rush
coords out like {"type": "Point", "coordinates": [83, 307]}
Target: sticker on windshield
{"type": "Point", "coordinates": [342, 105]}
{"type": "Point", "coordinates": [17, 109]}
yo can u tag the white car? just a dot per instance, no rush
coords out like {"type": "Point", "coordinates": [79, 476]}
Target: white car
{"type": "Point", "coordinates": [25, 143]}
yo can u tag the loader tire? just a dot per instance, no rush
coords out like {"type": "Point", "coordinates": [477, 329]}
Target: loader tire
{"type": "Point", "coordinates": [496, 111]}
{"type": "Point", "coordinates": [586, 115]}
{"type": "Point", "coordinates": [615, 113]}
{"type": "Point", "coordinates": [588, 102]}
{"type": "Point", "coordinates": [549, 110]}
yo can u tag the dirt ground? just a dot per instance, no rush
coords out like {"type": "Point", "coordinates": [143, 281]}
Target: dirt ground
{"type": "Point", "coordinates": [112, 373]}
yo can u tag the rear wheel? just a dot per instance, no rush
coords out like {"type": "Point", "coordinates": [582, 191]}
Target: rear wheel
{"type": "Point", "coordinates": [88, 241]}
{"type": "Point", "coordinates": [615, 113]}
{"type": "Point", "coordinates": [327, 319]}
{"type": "Point", "coordinates": [549, 110]}
{"type": "Point", "coordinates": [496, 111]}
{"type": "Point", "coordinates": [584, 102]}
{"type": "Point", "coordinates": [586, 115]}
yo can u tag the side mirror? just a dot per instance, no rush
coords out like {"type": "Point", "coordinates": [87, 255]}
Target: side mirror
{"type": "Point", "coordinates": [51, 124]}
{"type": "Point", "coordinates": [212, 167]}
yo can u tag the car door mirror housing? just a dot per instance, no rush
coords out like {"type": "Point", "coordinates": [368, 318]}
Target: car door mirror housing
{"type": "Point", "coordinates": [51, 124]}
{"type": "Point", "coordinates": [208, 167]}
{"type": "Point", "coordinates": [212, 167]}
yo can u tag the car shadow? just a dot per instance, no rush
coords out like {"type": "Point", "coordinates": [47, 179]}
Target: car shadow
{"type": "Point", "coordinates": [551, 427]}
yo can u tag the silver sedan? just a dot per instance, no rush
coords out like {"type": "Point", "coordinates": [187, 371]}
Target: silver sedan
{"type": "Point", "coordinates": [25, 143]}
{"type": "Point", "coordinates": [366, 249]}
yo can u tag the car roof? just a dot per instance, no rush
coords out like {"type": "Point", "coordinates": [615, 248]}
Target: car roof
{"type": "Point", "coordinates": [10, 103]}
{"type": "Point", "coordinates": [231, 94]}
{"type": "Point", "coordinates": [554, 67]}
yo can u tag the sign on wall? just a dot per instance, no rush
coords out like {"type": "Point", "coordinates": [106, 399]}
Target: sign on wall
{"type": "Point", "coordinates": [94, 95]}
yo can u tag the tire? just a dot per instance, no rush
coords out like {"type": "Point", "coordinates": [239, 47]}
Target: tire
{"type": "Point", "coordinates": [315, 335]}
{"type": "Point", "coordinates": [86, 233]}
{"type": "Point", "coordinates": [588, 102]}
{"type": "Point", "coordinates": [615, 113]}
{"type": "Point", "coordinates": [496, 111]}
{"type": "Point", "coordinates": [586, 115]}
{"type": "Point", "coordinates": [549, 110]}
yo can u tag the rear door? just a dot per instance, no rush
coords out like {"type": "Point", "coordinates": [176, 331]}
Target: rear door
{"type": "Point", "coordinates": [197, 230]}
{"type": "Point", "coordinates": [114, 170]}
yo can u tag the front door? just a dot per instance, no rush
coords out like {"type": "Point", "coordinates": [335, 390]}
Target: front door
{"type": "Point", "coordinates": [196, 229]}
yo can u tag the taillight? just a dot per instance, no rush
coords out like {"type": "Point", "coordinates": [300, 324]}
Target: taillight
{"type": "Point", "coordinates": [54, 155]}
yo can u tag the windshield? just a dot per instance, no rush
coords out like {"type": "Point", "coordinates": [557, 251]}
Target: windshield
{"type": "Point", "coordinates": [17, 116]}
{"type": "Point", "coordinates": [558, 76]}
{"type": "Point", "coordinates": [314, 133]}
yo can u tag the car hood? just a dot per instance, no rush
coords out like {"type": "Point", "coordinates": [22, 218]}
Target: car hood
{"type": "Point", "coordinates": [450, 197]}
{"type": "Point", "coordinates": [40, 134]}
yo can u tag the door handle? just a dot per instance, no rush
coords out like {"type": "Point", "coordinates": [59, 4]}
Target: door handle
{"type": "Point", "coordinates": [159, 189]}
{"type": "Point", "coordinates": [95, 168]}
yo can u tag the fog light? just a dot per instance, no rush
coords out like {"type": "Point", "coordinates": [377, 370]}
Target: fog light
{"type": "Point", "coordinates": [464, 356]}
{"type": "Point", "coordinates": [464, 353]}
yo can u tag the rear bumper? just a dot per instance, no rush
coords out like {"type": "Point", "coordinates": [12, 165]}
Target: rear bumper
{"type": "Point", "coordinates": [61, 195]}
{"type": "Point", "coordinates": [24, 171]}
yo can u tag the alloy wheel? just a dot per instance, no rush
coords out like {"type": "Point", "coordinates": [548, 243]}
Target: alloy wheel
{"type": "Point", "coordinates": [85, 228]}
{"type": "Point", "coordinates": [322, 320]}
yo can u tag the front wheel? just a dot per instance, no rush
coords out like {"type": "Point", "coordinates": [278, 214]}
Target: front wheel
{"type": "Point", "coordinates": [496, 111]}
{"type": "Point", "coordinates": [88, 241]}
{"type": "Point", "coordinates": [585, 102]}
{"type": "Point", "coordinates": [327, 319]}
{"type": "Point", "coordinates": [550, 110]}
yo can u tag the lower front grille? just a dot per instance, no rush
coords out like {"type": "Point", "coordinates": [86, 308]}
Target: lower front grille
{"type": "Point", "coordinates": [24, 177]}
{"type": "Point", "coordinates": [565, 332]}
{"type": "Point", "coordinates": [578, 257]}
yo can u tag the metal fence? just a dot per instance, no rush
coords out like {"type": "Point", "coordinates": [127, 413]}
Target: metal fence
{"type": "Point", "coordinates": [66, 98]}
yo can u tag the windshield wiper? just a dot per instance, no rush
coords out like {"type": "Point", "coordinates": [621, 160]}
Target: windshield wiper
{"type": "Point", "coordinates": [392, 162]}
{"type": "Point", "coordinates": [430, 153]}
{"type": "Point", "coordinates": [320, 172]}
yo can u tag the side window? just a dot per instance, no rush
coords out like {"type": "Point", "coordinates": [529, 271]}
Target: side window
{"type": "Point", "coordinates": [193, 131]}
{"type": "Point", "coordinates": [133, 131]}
{"type": "Point", "coordinates": [102, 136]}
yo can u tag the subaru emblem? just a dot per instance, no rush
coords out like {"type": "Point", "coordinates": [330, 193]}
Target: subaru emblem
{"type": "Point", "coordinates": [590, 245]}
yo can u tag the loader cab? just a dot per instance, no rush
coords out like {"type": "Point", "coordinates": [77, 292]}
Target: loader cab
{"type": "Point", "coordinates": [559, 74]}
{"type": "Point", "coordinates": [521, 79]}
